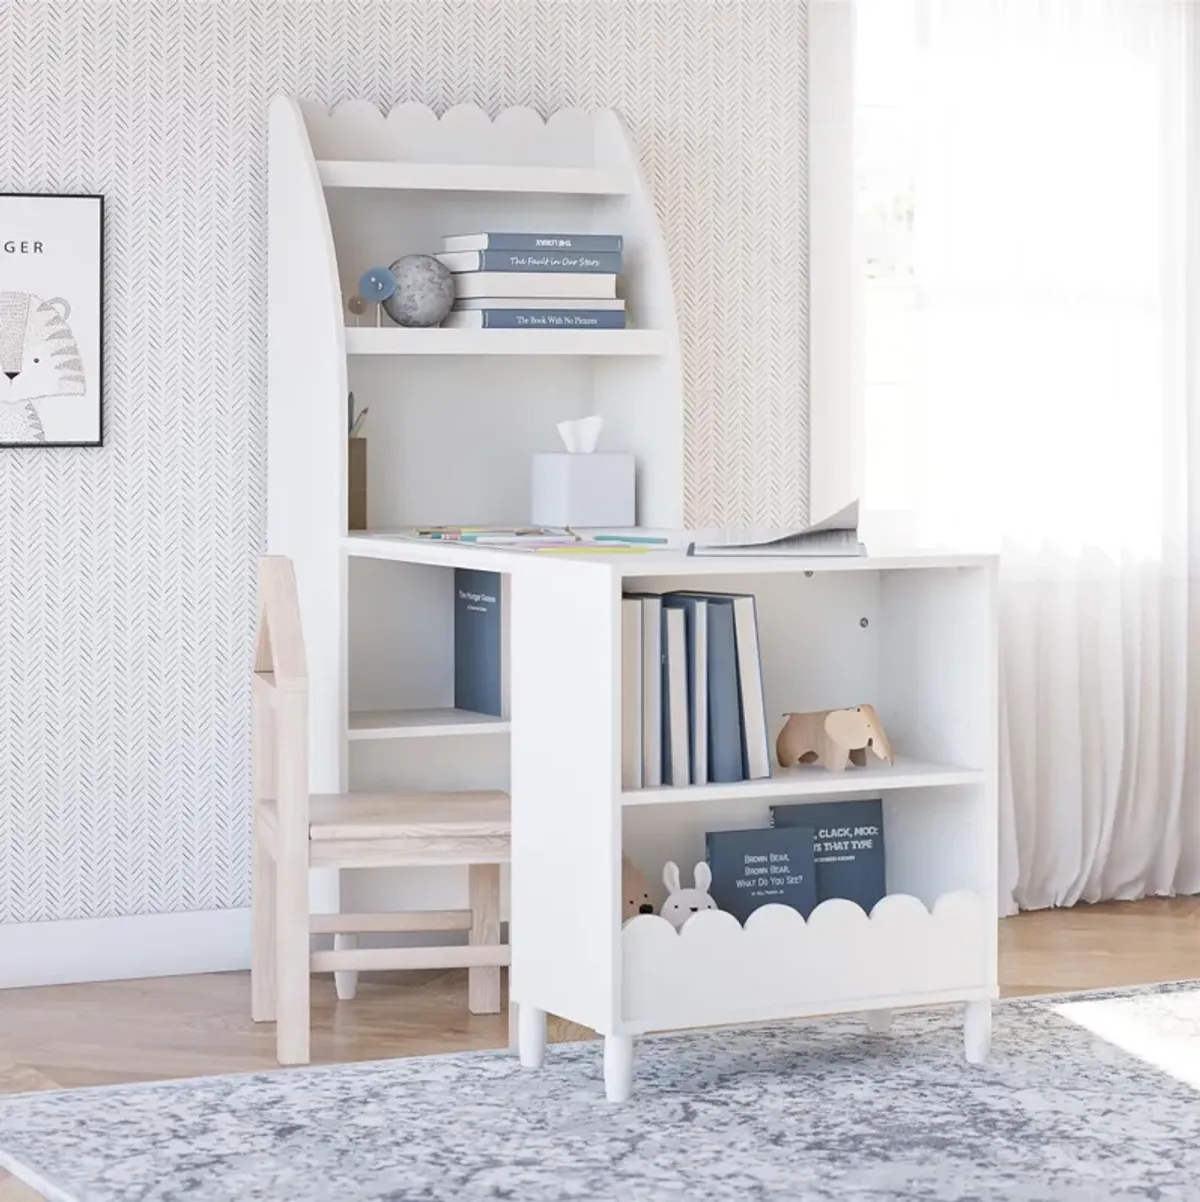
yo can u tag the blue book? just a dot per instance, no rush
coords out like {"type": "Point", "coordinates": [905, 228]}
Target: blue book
{"type": "Point", "coordinates": [724, 704]}
{"type": "Point", "coordinates": [604, 242]}
{"type": "Point", "coordinates": [478, 642]}
{"type": "Point", "coordinates": [695, 610]}
{"type": "Point", "coordinates": [754, 868]}
{"type": "Point", "coordinates": [585, 262]}
{"type": "Point", "coordinates": [535, 319]}
{"type": "Point", "coordinates": [847, 846]}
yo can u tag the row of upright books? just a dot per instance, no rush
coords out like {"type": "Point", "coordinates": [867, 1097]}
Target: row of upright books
{"type": "Point", "coordinates": [531, 281]}
{"type": "Point", "coordinates": [692, 690]}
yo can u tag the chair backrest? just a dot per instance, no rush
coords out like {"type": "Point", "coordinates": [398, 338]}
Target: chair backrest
{"type": "Point", "coordinates": [279, 717]}
{"type": "Point", "coordinates": [279, 648]}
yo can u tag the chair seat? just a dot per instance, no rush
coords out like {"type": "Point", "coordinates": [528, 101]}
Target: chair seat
{"type": "Point", "coordinates": [481, 814]}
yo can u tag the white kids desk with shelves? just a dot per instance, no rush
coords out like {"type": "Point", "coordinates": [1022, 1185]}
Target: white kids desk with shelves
{"type": "Point", "coordinates": [913, 635]}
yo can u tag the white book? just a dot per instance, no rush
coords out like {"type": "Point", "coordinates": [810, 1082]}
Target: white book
{"type": "Point", "coordinates": [631, 693]}
{"type": "Point", "coordinates": [537, 302]}
{"type": "Point", "coordinates": [546, 284]}
{"type": "Point", "coordinates": [677, 760]}
{"type": "Point", "coordinates": [533, 242]}
{"type": "Point", "coordinates": [651, 691]}
{"type": "Point", "coordinates": [755, 743]}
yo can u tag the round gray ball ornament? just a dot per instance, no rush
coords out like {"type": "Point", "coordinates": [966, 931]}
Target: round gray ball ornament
{"type": "Point", "coordinates": [424, 291]}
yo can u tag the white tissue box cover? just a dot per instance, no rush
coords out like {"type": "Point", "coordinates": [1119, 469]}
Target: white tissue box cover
{"type": "Point", "coordinates": [583, 490]}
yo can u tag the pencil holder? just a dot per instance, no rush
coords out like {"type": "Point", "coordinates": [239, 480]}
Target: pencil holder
{"type": "Point", "coordinates": [356, 475]}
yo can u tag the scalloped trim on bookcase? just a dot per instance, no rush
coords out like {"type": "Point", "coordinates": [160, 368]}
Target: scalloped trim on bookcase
{"type": "Point", "coordinates": [716, 970]}
{"type": "Point", "coordinates": [356, 129]}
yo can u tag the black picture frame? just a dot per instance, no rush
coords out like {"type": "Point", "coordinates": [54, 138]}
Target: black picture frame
{"type": "Point", "coordinates": [98, 200]}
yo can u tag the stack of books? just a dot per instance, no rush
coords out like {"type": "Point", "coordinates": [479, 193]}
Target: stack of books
{"type": "Point", "coordinates": [811, 853]}
{"type": "Point", "coordinates": [692, 690]}
{"type": "Point", "coordinates": [535, 281]}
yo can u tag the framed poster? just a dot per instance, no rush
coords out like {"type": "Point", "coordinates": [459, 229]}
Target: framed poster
{"type": "Point", "coordinates": [51, 320]}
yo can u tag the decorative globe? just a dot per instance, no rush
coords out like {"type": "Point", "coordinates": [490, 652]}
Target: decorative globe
{"type": "Point", "coordinates": [424, 291]}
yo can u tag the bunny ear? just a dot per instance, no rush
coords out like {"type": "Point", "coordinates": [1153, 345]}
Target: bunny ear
{"type": "Point", "coordinates": [671, 876]}
{"type": "Point", "coordinates": [703, 876]}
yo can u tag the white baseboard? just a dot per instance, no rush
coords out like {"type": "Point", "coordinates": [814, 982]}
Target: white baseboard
{"type": "Point", "coordinates": [122, 948]}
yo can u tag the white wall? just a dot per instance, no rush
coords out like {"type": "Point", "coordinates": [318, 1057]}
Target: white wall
{"type": "Point", "coordinates": [126, 573]}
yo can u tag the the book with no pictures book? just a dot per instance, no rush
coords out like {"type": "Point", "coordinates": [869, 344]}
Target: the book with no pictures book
{"type": "Point", "coordinates": [535, 319]}
{"type": "Point", "coordinates": [756, 867]}
{"type": "Point", "coordinates": [847, 847]}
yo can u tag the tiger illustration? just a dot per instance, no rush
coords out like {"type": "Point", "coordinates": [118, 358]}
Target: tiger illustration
{"type": "Point", "coordinates": [39, 358]}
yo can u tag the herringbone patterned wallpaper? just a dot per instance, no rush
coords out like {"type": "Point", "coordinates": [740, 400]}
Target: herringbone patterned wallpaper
{"type": "Point", "coordinates": [126, 573]}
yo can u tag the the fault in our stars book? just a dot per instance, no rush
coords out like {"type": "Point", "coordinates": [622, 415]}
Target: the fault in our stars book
{"type": "Point", "coordinates": [755, 868]}
{"type": "Point", "coordinates": [847, 846]}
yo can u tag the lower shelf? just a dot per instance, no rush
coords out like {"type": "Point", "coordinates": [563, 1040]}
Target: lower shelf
{"type": "Point", "coordinates": [423, 724]}
{"type": "Point", "coordinates": [716, 971]}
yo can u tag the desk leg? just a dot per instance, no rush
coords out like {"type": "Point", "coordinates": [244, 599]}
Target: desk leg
{"type": "Point", "coordinates": [618, 1067]}
{"type": "Point", "coordinates": [531, 1035]}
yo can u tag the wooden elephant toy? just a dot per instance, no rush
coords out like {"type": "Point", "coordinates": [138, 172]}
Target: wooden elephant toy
{"type": "Point", "coordinates": [833, 738]}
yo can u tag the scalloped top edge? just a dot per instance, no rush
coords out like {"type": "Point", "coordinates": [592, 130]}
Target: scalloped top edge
{"type": "Point", "coordinates": [569, 137]}
{"type": "Point", "coordinates": [891, 901]}
{"type": "Point", "coordinates": [413, 110]}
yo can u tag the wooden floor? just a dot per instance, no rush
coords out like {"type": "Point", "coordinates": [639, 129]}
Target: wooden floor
{"type": "Point", "coordinates": [75, 1035]}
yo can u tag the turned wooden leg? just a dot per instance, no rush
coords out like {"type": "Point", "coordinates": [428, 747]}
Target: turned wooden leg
{"type": "Point", "coordinates": [483, 984]}
{"type": "Point", "coordinates": [345, 982]}
{"type": "Point", "coordinates": [879, 1021]}
{"type": "Point", "coordinates": [531, 1036]}
{"type": "Point", "coordinates": [618, 1067]}
{"type": "Point", "coordinates": [977, 1031]}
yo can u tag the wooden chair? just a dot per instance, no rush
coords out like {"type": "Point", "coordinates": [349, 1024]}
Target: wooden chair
{"type": "Point", "coordinates": [294, 832]}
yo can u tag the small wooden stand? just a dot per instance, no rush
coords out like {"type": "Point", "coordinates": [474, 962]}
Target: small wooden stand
{"type": "Point", "coordinates": [356, 474]}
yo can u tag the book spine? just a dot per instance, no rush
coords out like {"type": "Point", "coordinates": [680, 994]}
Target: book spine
{"type": "Point", "coordinates": [478, 642]}
{"type": "Point", "coordinates": [553, 319]}
{"type": "Point", "coordinates": [532, 261]}
{"type": "Point", "coordinates": [631, 693]}
{"type": "Point", "coordinates": [607, 243]}
{"type": "Point", "coordinates": [724, 710]}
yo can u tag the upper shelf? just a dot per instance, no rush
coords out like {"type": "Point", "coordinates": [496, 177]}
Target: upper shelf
{"type": "Point", "coordinates": [392, 340]}
{"type": "Point", "coordinates": [471, 177]}
{"type": "Point", "coordinates": [803, 782]}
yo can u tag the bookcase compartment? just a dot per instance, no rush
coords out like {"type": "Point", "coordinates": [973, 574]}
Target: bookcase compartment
{"type": "Point", "coordinates": [716, 971]}
{"type": "Point", "coordinates": [400, 642]}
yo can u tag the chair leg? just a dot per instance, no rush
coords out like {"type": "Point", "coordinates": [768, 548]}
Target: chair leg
{"type": "Point", "coordinates": [346, 981]}
{"type": "Point", "coordinates": [262, 933]}
{"type": "Point", "coordinates": [292, 962]}
{"type": "Point", "coordinates": [483, 984]}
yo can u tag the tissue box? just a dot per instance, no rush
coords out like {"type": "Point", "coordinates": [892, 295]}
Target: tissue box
{"type": "Point", "coordinates": [583, 490]}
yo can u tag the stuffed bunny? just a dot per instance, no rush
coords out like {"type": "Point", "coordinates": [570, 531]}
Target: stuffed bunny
{"type": "Point", "coordinates": [681, 904]}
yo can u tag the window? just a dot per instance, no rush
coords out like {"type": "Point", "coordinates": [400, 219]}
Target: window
{"type": "Point", "coordinates": [885, 161]}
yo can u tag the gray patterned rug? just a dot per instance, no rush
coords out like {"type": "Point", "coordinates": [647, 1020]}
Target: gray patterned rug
{"type": "Point", "coordinates": [1089, 1097]}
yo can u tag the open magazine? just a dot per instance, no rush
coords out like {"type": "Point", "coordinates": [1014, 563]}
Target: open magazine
{"type": "Point", "coordinates": [835, 535]}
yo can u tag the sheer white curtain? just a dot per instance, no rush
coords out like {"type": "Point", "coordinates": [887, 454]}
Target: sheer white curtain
{"type": "Point", "coordinates": [1054, 412]}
